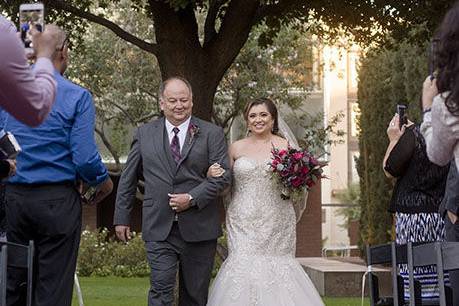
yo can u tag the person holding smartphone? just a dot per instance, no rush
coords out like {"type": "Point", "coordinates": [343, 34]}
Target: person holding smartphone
{"type": "Point", "coordinates": [418, 191]}
{"type": "Point", "coordinates": [27, 94]}
{"type": "Point", "coordinates": [42, 200]}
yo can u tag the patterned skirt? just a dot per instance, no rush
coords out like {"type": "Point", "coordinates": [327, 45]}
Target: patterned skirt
{"type": "Point", "coordinates": [420, 227]}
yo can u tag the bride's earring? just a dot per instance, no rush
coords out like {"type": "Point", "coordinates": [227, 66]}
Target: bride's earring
{"type": "Point", "coordinates": [247, 133]}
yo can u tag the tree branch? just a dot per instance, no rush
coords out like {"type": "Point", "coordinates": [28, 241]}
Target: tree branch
{"type": "Point", "coordinates": [125, 112]}
{"type": "Point", "coordinates": [209, 26]}
{"type": "Point", "coordinates": [274, 9]}
{"type": "Point", "coordinates": [233, 33]}
{"type": "Point", "coordinates": [147, 117]}
{"type": "Point", "coordinates": [63, 5]}
{"type": "Point", "coordinates": [109, 146]}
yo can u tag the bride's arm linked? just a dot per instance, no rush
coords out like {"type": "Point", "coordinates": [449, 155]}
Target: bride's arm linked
{"type": "Point", "coordinates": [211, 187]}
{"type": "Point", "coordinates": [216, 170]}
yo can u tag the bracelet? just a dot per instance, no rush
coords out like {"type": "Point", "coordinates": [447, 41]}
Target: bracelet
{"type": "Point", "coordinates": [426, 110]}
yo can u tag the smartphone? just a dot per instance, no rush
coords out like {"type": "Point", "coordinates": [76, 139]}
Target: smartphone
{"type": "Point", "coordinates": [31, 15]}
{"type": "Point", "coordinates": [9, 146]}
{"type": "Point", "coordinates": [401, 111]}
{"type": "Point", "coordinates": [432, 57]}
{"type": "Point", "coordinates": [89, 195]}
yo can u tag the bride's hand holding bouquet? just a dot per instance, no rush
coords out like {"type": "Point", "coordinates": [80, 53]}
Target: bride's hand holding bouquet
{"type": "Point", "coordinates": [295, 170]}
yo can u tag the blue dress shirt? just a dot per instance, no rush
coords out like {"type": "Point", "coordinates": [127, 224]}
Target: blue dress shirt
{"type": "Point", "coordinates": [63, 147]}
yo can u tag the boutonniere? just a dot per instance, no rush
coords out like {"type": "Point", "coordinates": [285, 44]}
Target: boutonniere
{"type": "Point", "coordinates": [193, 130]}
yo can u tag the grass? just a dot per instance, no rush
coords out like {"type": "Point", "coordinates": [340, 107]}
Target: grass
{"type": "Point", "coordinates": [111, 291]}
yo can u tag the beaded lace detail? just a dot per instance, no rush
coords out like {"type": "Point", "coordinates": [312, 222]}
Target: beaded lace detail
{"type": "Point", "coordinates": [258, 221]}
{"type": "Point", "coordinates": [261, 268]}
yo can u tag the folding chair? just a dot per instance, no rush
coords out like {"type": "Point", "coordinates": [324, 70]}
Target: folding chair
{"type": "Point", "coordinates": [440, 254]}
{"type": "Point", "coordinates": [3, 265]}
{"type": "Point", "coordinates": [399, 256]}
{"type": "Point", "coordinates": [393, 254]}
{"type": "Point", "coordinates": [16, 256]}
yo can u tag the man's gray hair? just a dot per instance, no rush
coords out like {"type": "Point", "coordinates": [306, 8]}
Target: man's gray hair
{"type": "Point", "coordinates": [163, 85]}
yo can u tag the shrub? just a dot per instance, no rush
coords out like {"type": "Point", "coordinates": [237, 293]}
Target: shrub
{"type": "Point", "coordinates": [101, 255]}
{"type": "Point", "coordinates": [387, 76]}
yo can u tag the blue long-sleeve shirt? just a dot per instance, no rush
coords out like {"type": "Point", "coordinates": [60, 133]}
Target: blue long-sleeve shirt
{"type": "Point", "coordinates": [63, 147]}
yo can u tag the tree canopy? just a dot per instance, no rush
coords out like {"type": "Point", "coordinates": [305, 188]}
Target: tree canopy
{"type": "Point", "coordinates": [199, 40]}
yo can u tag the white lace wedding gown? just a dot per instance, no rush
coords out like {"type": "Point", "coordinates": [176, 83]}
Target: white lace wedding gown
{"type": "Point", "coordinates": [261, 268]}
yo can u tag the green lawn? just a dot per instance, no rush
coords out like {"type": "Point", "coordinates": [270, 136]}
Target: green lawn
{"type": "Point", "coordinates": [117, 291]}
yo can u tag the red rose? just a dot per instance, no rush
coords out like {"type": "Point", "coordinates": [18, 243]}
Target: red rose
{"type": "Point", "coordinates": [296, 182]}
{"type": "Point", "coordinates": [298, 155]}
{"type": "Point", "coordinates": [282, 153]}
{"type": "Point", "coordinates": [304, 170]}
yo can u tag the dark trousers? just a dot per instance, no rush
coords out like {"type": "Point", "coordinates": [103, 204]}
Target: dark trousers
{"type": "Point", "coordinates": [193, 260]}
{"type": "Point", "coordinates": [51, 216]}
{"type": "Point", "coordinates": [452, 234]}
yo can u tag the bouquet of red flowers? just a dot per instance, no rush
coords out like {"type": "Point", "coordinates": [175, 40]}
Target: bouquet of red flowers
{"type": "Point", "coordinates": [295, 170]}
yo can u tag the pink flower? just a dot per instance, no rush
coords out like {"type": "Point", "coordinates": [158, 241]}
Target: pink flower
{"type": "Point", "coordinates": [193, 130]}
{"type": "Point", "coordinates": [298, 155]}
{"type": "Point", "coordinates": [282, 153]}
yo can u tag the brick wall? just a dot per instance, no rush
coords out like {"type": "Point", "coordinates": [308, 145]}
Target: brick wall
{"type": "Point", "coordinates": [309, 229]}
{"type": "Point", "coordinates": [89, 217]}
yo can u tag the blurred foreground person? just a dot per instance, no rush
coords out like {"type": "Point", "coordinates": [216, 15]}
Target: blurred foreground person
{"type": "Point", "coordinates": [42, 201]}
{"type": "Point", "coordinates": [26, 93]}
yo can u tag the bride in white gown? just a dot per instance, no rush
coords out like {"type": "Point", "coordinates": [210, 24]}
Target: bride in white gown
{"type": "Point", "coordinates": [261, 268]}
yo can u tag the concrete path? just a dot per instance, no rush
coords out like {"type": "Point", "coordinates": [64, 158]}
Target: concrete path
{"type": "Point", "coordinates": [337, 278]}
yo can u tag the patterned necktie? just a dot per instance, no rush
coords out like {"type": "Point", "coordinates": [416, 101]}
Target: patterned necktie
{"type": "Point", "coordinates": [175, 145]}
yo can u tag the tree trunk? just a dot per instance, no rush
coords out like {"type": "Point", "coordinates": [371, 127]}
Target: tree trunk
{"type": "Point", "coordinates": [180, 52]}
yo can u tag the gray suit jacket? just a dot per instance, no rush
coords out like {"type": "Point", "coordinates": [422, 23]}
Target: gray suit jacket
{"type": "Point", "coordinates": [451, 198]}
{"type": "Point", "coordinates": [151, 158]}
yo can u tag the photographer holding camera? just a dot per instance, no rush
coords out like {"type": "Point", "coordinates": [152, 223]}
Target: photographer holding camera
{"type": "Point", "coordinates": [26, 93]}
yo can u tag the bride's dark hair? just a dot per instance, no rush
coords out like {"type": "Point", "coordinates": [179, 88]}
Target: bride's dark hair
{"type": "Point", "coordinates": [272, 109]}
{"type": "Point", "coordinates": [447, 57]}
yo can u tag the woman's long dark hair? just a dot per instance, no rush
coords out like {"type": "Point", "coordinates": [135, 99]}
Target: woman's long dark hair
{"type": "Point", "coordinates": [447, 58]}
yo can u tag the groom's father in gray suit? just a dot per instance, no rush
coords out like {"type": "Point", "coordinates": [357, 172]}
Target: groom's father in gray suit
{"type": "Point", "coordinates": [180, 219]}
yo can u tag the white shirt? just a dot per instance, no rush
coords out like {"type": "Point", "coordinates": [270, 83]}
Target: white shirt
{"type": "Point", "coordinates": [183, 128]}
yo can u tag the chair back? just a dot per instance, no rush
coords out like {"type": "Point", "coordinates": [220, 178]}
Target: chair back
{"type": "Point", "coordinates": [376, 255]}
{"type": "Point", "coordinates": [450, 255]}
{"type": "Point", "coordinates": [420, 255]}
{"type": "Point", "coordinates": [18, 256]}
{"type": "Point", "coordinates": [3, 268]}
{"type": "Point", "coordinates": [399, 256]}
